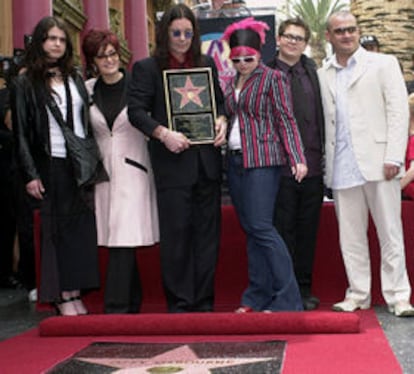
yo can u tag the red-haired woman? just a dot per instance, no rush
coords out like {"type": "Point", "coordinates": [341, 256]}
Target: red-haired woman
{"type": "Point", "coordinates": [125, 206]}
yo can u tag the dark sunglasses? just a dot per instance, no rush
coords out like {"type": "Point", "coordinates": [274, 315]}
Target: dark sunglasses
{"type": "Point", "coordinates": [177, 33]}
{"type": "Point", "coordinates": [247, 59]}
{"type": "Point", "coordinates": [343, 30]}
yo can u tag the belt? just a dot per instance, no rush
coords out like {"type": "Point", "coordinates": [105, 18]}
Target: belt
{"type": "Point", "coordinates": [235, 152]}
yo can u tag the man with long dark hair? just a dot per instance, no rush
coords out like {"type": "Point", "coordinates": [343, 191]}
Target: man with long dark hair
{"type": "Point", "coordinates": [187, 176]}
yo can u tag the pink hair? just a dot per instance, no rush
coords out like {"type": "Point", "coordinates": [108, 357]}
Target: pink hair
{"type": "Point", "coordinates": [248, 23]}
{"type": "Point", "coordinates": [242, 51]}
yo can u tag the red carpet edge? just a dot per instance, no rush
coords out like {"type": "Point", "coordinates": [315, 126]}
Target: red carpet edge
{"type": "Point", "coordinates": [317, 322]}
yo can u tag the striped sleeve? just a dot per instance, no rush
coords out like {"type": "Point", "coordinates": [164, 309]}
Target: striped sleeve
{"type": "Point", "coordinates": [287, 127]}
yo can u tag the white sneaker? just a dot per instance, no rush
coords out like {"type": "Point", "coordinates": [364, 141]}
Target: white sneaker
{"type": "Point", "coordinates": [349, 305]}
{"type": "Point", "coordinates": [32, 295]}
{"type": "Point", "coordinates": [401, 309]}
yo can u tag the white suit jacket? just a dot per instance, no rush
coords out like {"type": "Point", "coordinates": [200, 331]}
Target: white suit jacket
{"type": "Point", "coordinates": [378, 113]}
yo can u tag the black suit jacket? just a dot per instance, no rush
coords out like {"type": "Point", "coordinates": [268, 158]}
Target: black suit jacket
{"type": "Point", "coordinates": [311, 70]}
{"type": "Point", "coordinates": [31, 126]}
{"type": "Point", "coordinates": [147, 110]}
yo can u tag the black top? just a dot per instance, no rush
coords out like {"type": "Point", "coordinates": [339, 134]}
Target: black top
{"type": "Point", "coordinates": [307, 107]}
{"type": "Point", "coordinates": [111, 99]}
{"type": "Point", "coordinates": [147, 110]}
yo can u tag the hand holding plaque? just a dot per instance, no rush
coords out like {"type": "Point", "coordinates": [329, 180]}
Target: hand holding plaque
{"type": "Point", "coordinates": [190, 103]}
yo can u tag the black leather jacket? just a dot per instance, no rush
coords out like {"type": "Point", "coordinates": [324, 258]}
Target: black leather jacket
{"type": "Point", "coordinates": [31, 126]}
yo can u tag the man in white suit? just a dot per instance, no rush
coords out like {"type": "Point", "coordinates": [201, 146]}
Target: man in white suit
{"type": "Point", "coordinates": [366, 121]}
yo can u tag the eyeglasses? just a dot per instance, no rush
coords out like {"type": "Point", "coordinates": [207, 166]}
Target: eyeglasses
{"type": "Point", "coordinates": [247, 59]}
{"type": "Point", "coordinates": [113, 54]}
{"type": "Point", "coordinates": [188, 34]}
{"type": "Point", "coordinates": [293, 38]}
{"type": "Point", "coordinates": [343, 30]}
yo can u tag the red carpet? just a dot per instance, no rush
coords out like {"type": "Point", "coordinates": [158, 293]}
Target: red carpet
{"type": "Point", "coordinates": [329, 280]}
{"type": "Point", "coordinates": [317, 322]}
{"type": "Point", "coordinates": [316, 342]}
{"type": "Point", "coordinates": [367, 352]}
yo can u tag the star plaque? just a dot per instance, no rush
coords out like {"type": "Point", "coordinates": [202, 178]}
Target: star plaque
{"type": "Point", "coordinates": [190, 103]}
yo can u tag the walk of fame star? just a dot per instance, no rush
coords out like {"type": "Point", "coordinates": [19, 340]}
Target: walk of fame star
{"type": "Point", "coordinates": [182, 358]}
{"type": "Point", "coordinates": [190, 93]}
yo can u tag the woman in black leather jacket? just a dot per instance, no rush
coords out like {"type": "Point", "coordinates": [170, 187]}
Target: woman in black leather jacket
{"type": "Point", "coordinates": [69, 261]}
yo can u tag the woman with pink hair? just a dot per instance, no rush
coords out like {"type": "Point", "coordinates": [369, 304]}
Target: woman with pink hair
{"type": "Point", "coordinates": [263, 136]}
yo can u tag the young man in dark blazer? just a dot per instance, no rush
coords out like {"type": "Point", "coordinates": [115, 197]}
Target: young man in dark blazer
{"type": "Point", "coordinates": [298, 204]}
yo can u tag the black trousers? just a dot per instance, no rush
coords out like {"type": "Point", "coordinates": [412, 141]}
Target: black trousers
{"type": "Point", "coordinates": [123, 285]}
{"type": "Point", "coordinates": [69, 254]}
{"type": "Point", "coordinates": [297, 214]}
{"type": "Point", "coordinates": [190, 218]}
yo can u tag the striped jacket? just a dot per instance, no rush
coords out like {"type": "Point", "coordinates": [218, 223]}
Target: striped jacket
{"type": "Point", "coordinates": [268, 129]}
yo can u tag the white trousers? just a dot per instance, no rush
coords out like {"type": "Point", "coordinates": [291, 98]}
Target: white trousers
{"type": "Point", "coordinates": [353, 205]}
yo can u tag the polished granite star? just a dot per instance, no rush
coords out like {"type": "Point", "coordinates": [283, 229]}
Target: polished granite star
{"type": "Point", "coordinates": [178, 360]}
{"type": "Point", "coordinates": [190, 93]}
{"type": "Point", "coordinates": [189, 358]}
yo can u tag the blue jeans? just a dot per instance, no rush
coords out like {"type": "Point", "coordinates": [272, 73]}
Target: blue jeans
{"type": "Point", "coordinates": [272, 282]}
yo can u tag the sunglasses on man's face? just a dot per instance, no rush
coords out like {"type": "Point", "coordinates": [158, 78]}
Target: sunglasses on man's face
{"type": "Point", "coordinates": [188, 34]}
{"type": "Point", "coordinates": [343, 30]}
{"type": "Point", "coordinates": [248, 59]}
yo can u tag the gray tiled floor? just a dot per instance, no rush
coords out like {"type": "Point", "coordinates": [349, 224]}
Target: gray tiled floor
{"type": "Point", "coordinates": [18, 315]}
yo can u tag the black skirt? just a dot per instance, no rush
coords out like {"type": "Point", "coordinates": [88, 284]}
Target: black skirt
{"type": "Point", "coordinates": [69, 254]}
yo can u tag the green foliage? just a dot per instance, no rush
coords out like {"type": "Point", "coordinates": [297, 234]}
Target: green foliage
{"type": "Point", "coordinates": [316, 13]}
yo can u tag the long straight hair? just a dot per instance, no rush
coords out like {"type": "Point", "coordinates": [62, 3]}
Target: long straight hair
{"type": "Point", "coordinates": [162, 35]}
{"type": "Point", "coordinates": [36, 58]}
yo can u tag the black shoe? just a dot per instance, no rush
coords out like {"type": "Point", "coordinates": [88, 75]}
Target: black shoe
{"type": "Point", "coordinates": [310, 302]}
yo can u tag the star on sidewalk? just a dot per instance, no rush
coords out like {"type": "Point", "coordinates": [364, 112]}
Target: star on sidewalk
{"type": "Point", "coordinates": [182, 359]}
{"type": "Point", "coordinates": [190, 93]}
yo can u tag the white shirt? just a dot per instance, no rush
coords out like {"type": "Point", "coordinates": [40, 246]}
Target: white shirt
{"type": "Point", "coordinates": [57, 141]}
{"type": "Point", "coordinates": [346, 173]}
{"type": "Point", "coordinates": [234, 141]}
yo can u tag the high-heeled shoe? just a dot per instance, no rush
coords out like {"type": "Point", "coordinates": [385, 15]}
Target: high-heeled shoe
{"type": "Point", "coordinates": [79, 306]}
